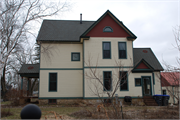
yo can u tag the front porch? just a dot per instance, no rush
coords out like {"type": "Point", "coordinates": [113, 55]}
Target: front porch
{"type": "Point", "coordinates": [27, 72]}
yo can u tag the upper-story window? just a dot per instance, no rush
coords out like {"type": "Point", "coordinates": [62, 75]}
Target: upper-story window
{"type": "Point", "coordinates": [122, 50]}
{"type": "Point", "coordinates": [107, 29]}
{"type": "Point", "coordinates": [106, 50]}
{"type": "Point", "coordinates": [75, 56]}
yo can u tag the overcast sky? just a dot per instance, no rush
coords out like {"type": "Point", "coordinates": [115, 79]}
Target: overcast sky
{"type": "Point", "coordinates": [152, 21]}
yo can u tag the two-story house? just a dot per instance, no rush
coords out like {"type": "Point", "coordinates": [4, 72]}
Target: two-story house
{"type": "Point", "coordinates": [68, 46]}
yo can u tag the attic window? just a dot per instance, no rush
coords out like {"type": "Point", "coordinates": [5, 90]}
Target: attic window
{"type": "Point", "coordinates": [145, 51]}
{"type": "Point", "coordinates": [107, 29]}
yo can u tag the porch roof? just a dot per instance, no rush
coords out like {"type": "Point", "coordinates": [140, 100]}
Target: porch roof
{"type": "Point", "coordinates": [29, 70]}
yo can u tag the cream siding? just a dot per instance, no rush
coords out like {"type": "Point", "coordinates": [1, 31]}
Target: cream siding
{"type": "Point", "coordinates": [157, 86]}
{"type": "Point", "coordinates": [69, 83]}
{"type": "Point", "coordinates": [58, 55]}
{"type": "Point", "coordinates": [93, 51]}
{"type": "Point", "coordinates": [134, 91]}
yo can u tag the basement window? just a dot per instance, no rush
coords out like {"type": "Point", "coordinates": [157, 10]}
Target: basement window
{"type": "Point", "coordinates": [52, 101]}
{"type": "Point", "coordinates": [164, 92]}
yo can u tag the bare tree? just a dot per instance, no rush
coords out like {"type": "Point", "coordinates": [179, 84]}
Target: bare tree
{"type": "Point", "coordinates": [173, 72]}
{"type": "Point", "coordinates": [114, 81]}
{"type": "Point", "coordinates": [16, 17]}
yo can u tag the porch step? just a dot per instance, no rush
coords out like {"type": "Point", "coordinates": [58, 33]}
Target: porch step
{"type": "Point", "coordinates": [149, 101]}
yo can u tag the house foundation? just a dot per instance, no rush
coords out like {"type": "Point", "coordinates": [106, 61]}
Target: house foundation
{"type": "Point", "coordinates": [84, 102]}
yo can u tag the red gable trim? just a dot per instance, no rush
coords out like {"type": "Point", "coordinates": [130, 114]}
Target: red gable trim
{"type": "Point", "coordinates": [118, 31]}
{"type": "Point", "coordinates": [132, 36]}
{"type": "Point", "coordinates": [142, 66]}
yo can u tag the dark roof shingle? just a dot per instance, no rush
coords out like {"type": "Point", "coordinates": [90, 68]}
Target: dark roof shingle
{"type": "Point", "coordinates": [62, 30]}
{"type": "Point", "coordinates": [148, 55]}
{"type": "Point", "coordinates": [29, 68]}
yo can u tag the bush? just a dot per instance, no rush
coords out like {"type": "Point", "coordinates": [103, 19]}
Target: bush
{"type": "Point", "coordinates": [14, 96]}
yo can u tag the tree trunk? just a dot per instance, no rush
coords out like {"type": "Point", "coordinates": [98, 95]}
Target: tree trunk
{"type": "Point", "coordinates": [3, 83]}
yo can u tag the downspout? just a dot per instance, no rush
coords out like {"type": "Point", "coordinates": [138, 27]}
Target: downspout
{"type": "Point", "coordinates": [39, 69]}
{"type": "Point", "coordinates": [153, 83]}
{"type": "Point", "coordinates": [83, 70]}
{"type": "Point", "coordinates": [161, 83]}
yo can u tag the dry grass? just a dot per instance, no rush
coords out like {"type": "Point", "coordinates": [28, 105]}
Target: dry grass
{"type": "Point", "coordinates": [62, 111]}
{"type": "Point", "coordinates": [6, 112]}
{"type": "Point", "coordinates": [91, 112]}
{"type": "Point", "coordinates": [141, 112]}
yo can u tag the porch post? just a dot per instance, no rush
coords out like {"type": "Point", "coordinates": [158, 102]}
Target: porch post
{"type": "Point", "coordinates": [21, 83]}
{"type": "Point", "coordinates": [28, 87]}
{"type": "Point", "coordinates": [21, 86]}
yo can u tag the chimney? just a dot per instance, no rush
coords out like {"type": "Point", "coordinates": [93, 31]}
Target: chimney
{"type": "Point", "coordinates": [81, 18]}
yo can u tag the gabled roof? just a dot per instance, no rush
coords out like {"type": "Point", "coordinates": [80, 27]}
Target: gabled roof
{"type": "Point", "coordinates": [170, 78]}
{"type": "Point", "coordinates": [147, 55]}
{"type": "Point", "coordinates": [72, 30]}
{"type": "Point", "coordinates": [113, 17]}
{"type": "Point", "coordinates": [62, 30]}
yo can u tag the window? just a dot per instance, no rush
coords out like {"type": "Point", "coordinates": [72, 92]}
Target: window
{"type": "Point", "coordinates": [137, 81]}
{"type": "Point", "coordinates": [52, 101]}
{"type": "Point", "coordinates": [107, 80]}
{"type": "Point", "coordinates": [52, 82]}
{"type": "Point", "coordinates": [107, 29]}
{"type": "Point", "coordinates": [75, 56]}
{"type": "Point", "coordinates": [124, 81]}
{"type": "Point", "coordinates": [106, 50]}
{"type": "Point", "coordinates": [164, 92]}
{"type": "Point", "coordinates": [122, 50]}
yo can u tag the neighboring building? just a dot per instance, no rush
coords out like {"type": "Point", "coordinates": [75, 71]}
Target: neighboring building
{"type": "Point", "coordinates": [67, 45]}
{"type": "Point", "coordinates": [170, 82]}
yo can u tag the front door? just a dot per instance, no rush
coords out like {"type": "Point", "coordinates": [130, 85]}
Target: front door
{"type": "Point", "coordinates": [146, 86]}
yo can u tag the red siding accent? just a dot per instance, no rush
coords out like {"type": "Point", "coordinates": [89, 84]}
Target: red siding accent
{"type": "Point", "coordinates": [142, 66]}
{"type": "Point", "coordinates": [97, 31]}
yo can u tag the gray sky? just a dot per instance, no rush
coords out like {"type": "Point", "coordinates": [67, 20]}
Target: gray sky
{"type": "Point", "coordinates": [152, 21]}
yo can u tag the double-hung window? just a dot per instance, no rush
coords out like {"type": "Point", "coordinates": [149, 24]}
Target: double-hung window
{"type": "Point", "coordinates": [52, 82]}
{"type": "Point", "coordinates": [107, 80]}
{"type": "Point", "coordinates": [124, 81]}
{"type": "Point", "coordinates": [122, 50]}
{"type": "Point", "coordinates": [106, 50]}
